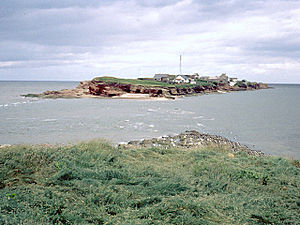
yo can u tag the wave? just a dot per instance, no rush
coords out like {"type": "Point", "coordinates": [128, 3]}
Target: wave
{"type": "Point", "coordinates": [16, 103]}
{"type": "Point", "coordinates": [12, 104]}
{"type": "Point", "coordinates": [49, 120]}
{"type": "Point", "coordinates": [152, 110]}
{"type": "Point", "coordinates": [181, 112]}
{"type": "Point", "coordinates": [198, 117]}
{"type": "Point", "coordinates": [209, 119]}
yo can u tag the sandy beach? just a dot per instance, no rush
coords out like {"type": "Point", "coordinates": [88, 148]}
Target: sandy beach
{"type": "Point", "coordinates": [140, 96]}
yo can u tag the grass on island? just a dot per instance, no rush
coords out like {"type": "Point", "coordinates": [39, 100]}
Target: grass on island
{"type": "Point", "coordinates": [96, 183]}
{"type": "Point", "coordinates": [149, 82]}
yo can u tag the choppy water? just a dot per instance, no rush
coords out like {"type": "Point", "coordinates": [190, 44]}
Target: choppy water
{"type": "Point", "coordinates": [267, 120]}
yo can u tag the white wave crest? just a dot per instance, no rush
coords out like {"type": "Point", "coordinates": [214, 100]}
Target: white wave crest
{"type": "Point", "coordinates": [49, 120]}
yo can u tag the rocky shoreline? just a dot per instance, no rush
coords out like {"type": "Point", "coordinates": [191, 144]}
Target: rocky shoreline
{"type": "Point", "coordinates": [100, 89]}
{"type": "Point", "coordinates": [186, 140]}
{"type": "Point", "coordinates": [192, 139]}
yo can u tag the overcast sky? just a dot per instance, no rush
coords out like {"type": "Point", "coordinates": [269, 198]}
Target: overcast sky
{"type": "Point", "coordinates": [258, 40]}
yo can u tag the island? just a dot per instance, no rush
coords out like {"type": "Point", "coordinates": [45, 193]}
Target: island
{"type": "Point", "coordinates": [160, 86]}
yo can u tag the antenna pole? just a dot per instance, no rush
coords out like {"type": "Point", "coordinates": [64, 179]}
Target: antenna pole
{"type": "Point", "coordinates": [180, 65]}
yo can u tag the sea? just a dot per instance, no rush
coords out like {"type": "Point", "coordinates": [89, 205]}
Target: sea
{"type": "Point", "coordinates": [267, 120]}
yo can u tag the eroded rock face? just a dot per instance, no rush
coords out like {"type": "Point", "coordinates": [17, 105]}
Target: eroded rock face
{"type": "Point", "coordinates": [103, 89]}
{"type": "Point", "coordinates": [262, 86]}
{"type": "Point", "coordinates": [116, 89]}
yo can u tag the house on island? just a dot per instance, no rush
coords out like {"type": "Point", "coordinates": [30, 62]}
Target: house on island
{"type": "Point", "coordinates": [205, 78]}
{"type": "Point", "coordinates": [194, 76]}
{"type": "Point", "coordinates": [213, 79]}
{"type": "Point", "coordinates": [224, 78]}
{"type": "Point", "coordinates": [181, 79]}
{"type": "Point", "coordinates": [162, 77]}
{"type": "Point", "coordinates": [184, 79]}
{"type": "Point", "coordinates": [232, 81]}
{"type": "Point", "coordinates": [218, 79]}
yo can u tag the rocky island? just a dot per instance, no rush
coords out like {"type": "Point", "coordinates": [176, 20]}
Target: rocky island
{"type": "Point", "coordinates": [145, 88]}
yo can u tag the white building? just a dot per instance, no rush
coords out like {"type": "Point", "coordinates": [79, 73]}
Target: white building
{"type": "Point", "coordinates": [181, 79]}
{"type": "Point", "coordinates": [232, 81]}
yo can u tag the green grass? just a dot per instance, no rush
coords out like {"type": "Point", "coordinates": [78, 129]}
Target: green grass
{"type": "Point", "coordinates": [133, 81]}
{"type": "Point", "coordinates": [150, 83]}
{"type": "Point", "coordinates": [96, 183]}
{"type": "Point", "coordinates": [31, 95]}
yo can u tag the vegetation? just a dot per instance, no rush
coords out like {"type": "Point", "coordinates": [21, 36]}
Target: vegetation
{"type": "Point", "coordinates": [245, 84]}
{"type": "Point", "coordinates": [241, 84]}
{"type": "Point", "coordinates": [96, 183]}
{"type": "Point", "coordinates": [149, 82]}
{"type": "Point", "coordinates": [31, 95]}
{"type": "Point", "coordinates": [134, 81]}
{"type": "Point", "coordinates": [204, 83]}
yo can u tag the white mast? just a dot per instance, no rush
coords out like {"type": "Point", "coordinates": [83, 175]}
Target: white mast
{"type": "Point", "coordinates": [180, 65]}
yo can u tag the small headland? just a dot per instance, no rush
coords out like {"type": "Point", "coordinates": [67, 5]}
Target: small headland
{"type": "Point", "coordinates": [110, 87]}
{"type": "Point", "coordinates": [165, 181]}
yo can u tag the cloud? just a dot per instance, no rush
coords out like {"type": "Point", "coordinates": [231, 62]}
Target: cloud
{"type": "Point", "coordinates": [256, 40]}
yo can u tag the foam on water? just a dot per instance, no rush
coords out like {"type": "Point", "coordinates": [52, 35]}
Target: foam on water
{"type": "Point", "coordinates": [152, 110]}
{"type": "Point", "coordinates": [49, 120]}
{"type": "Point", "coordinates": [198, 117]}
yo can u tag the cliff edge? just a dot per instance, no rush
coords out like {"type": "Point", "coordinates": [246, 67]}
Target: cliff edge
{"type": "Point", "coordinates": [113, 87]}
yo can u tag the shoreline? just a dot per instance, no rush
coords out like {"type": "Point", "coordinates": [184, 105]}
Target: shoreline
{"type": "Point", "coordinates": [131, 96]}
{"type": "Point", "coordinates": [186, 140]}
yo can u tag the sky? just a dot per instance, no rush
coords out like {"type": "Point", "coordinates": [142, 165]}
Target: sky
{"type": "Point", "coordinates": [257, 40]}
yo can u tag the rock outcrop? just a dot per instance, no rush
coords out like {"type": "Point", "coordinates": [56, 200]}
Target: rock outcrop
{"type": "Point", "coordinates": [116, 89]}
{"type": "Point", "coordinates": [192, 139]}
{"type": "Point", "coordinates": [81, 91]}
{"type": "Point", "coordinates": [101, 88]}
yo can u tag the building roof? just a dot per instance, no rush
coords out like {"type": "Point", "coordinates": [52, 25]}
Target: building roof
{"type": "Point", "coordinates": [159, 76]}
{"type": "Point", "coordinates": [213, 78]}
{"type": "Point", "coordinates": [184, 77]}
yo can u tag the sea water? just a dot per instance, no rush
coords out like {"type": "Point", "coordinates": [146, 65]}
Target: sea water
{"type": "Point", "coordinates": [266, 120]}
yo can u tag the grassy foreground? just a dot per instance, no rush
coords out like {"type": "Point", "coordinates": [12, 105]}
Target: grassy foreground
{"type": "Point", "coordinates": [96, 183]}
